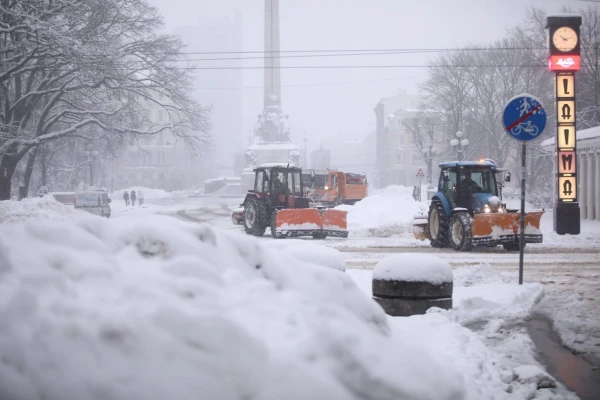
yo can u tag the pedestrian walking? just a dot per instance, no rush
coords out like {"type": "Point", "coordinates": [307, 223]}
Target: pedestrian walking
{"type": "Point", "coordinates": [126, 198]}
{"type": "Point", "coordinates": [132, 198]}
{"type": "Point", "coordinates": [140, 197]}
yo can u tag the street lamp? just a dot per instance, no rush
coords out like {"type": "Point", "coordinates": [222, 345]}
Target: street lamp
{"type": "Point", "coordinates": [459, 144]}
{"type": "Point", "coordinates": [91, 155]}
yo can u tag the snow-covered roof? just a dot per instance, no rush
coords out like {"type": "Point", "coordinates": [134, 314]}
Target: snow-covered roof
{"type": "Point", "coordinates": [450, 164]}
{"type": "Point", "coordinates": [585, 134]}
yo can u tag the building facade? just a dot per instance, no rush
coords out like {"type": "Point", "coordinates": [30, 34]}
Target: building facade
{"type": "Point", "coordinates": [393, 144]}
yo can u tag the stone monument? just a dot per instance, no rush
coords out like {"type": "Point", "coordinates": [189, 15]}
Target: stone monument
{"type": "Point", "coordinates": [271, 142]}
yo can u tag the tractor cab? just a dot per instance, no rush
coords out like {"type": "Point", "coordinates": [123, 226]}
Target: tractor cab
{"type": "Point", "coordinates": [471, 185]}
{"type": "Point", "coordinates": [280, 186]}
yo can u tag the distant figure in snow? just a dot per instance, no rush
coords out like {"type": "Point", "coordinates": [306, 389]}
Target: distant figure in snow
{"type": "Point", "coordinates": [126, 198]}
{"type": "Point", "coordinates": [140, 197]}
{"type": "Point", "coordinates": [132, 198]}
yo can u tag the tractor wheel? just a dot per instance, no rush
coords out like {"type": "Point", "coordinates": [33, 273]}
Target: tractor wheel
{"type": "Point", "coordinates": [460, 231]}
{"type": "Point", "coordinates": [438, 225]}
{"type": "Point", "coordinates": [273, 226]}
{"type": "Point", "coordinates": [255, 217]}
{"type": "Point", "coordinates": [513, 246]}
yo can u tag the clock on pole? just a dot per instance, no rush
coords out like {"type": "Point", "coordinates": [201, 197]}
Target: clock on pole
{"type": "Point", "coordinates": [564, 44]}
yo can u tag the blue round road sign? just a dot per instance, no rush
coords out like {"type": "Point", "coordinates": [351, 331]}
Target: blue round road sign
{"type": "Point", "coordinates": [524, 117]}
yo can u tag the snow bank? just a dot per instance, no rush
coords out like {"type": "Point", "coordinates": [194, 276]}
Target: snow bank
{"type": "Point", "coordinates": [155, 308]}
{"type": "Point", "coordinates": [45, 208]}
{"type": "Point", "coordinates": [312, 253]}
{"type": "Point", "coordinates": [384, 213]}
{"type": "Point", "coordinates": [414, 267]}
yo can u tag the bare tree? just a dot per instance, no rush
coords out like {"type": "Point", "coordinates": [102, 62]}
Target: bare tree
{"type": "Point", "coordinates": [67, 65]}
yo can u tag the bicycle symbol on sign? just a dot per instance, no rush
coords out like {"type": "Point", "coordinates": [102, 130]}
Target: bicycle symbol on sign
{"type": "Point", "coordinates": [526, 127]}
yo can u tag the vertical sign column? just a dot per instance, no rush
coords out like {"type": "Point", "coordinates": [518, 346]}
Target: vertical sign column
{"type": "Point", "coordinates": [566, 137]}
{"type": "Point", "coordinates": [564, 45]}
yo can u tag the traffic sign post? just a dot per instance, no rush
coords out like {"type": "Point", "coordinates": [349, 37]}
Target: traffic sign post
{"type": "Point", "coordinates": [524, 119]}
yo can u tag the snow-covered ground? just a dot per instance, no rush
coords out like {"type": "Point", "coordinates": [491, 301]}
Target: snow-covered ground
{"type": "Point", "coordinates": [240, 317]}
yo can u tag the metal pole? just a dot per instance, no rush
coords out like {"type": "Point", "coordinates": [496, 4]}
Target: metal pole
{"type": "Point", "coordinates": [522, 233]}
{"type": "Point", "coordinates": [91, 171]}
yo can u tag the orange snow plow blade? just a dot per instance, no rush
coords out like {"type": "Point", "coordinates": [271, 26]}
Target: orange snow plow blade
{"type": "Point", "coordinates": [294, 219]}
{"type": "Point", "coordinates": [334, 220]}
{"type": "Point", "coordinates": [501, 227]}
{"type": "Point", "coordinates": [310, 222]}
{"type": "Point", "coordinates": [496, 224]}
{"type": "Point", "coordinates": [420, 227]}
{"type": "Point", "coordinates": [532, 223]}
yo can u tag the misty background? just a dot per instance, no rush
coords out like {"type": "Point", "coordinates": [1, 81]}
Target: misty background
{"type": "Point", "coordinates": [169, 96]}
{"type": "Point", "coordinates": [334, 102]}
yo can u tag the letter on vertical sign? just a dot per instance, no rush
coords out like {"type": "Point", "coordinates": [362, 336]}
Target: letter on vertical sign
{"type": "Point", "coordinates": [566, 85]}
{"type": "Point", "coordinates": [567, 188]}
{"type": "Point", "coordinates": [566, 133]}
{"type": "Point", "coordinates": [567, 162]}
{"type": "Point", "coordinates": [566, 111]}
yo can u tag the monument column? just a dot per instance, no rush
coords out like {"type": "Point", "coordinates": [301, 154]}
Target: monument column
{"type": "Point", "coordinates": [272, 73]}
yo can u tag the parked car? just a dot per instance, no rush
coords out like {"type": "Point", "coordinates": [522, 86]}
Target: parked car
{"type": "Point", "coordinates": [95, 201]}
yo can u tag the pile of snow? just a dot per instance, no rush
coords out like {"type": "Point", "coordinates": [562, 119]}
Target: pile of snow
{"type": "Point", "coordinates": [45, 208]}
{"type": "Point", "coordinates": [140, 308]}
{"type": "Point", "coordinates": [414, 267]}
{"type": "Point", "coordinates": [312, 253]}
{"type": "Point", "coordinates": [384, 213]}
{"type": "Point", "coordinates": [146, 192]}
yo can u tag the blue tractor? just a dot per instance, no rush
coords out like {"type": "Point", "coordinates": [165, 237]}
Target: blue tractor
{"type": "Point", "coordinates": [467, 210]}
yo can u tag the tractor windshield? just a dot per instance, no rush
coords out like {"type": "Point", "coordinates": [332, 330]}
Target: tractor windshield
{"type": "Point", "coordinates": [285, 181]}
{"type": "Point", "coordinates": [484, 180]}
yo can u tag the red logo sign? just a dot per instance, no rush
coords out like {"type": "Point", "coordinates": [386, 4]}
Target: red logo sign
{"type": "Point", "coordinates": [564, 63]}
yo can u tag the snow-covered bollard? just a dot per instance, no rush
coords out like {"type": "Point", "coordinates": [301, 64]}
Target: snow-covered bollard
{"type": "Point", "coordinates": [410, 284]}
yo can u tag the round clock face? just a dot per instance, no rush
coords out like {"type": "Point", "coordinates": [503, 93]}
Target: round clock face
{"type": "Point", "coordinates": [565, 39]}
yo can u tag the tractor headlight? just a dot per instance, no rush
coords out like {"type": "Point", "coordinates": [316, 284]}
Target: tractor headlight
{"type": "Point", "coordinates": [494, 204]}
{"type": "Point", "coordinates": [486, 209]}
{"type": "Point", "coordinates": [326, 187]}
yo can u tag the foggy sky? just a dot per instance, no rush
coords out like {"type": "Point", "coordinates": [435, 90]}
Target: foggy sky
{"type": "Point", "coordinates": [328, 102]}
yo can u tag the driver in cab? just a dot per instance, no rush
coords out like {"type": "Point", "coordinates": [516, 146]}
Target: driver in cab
{"type": "Point", "coordinates": [466, 188]}
{"type": "Point", "coordinates": [278, 187]}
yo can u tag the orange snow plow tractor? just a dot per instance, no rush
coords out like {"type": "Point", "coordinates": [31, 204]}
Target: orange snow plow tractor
{"type": "Point", "coordinates": [277, 202]}
{"type": "Point", "coordinates": [467, 211]}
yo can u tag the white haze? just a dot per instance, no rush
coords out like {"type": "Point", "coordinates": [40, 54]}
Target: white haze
{"type": "Point", "coordinates": [326, 103]}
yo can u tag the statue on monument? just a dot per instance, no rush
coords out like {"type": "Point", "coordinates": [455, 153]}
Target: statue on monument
{"type": "Point", "coordinates": [272, 125]}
